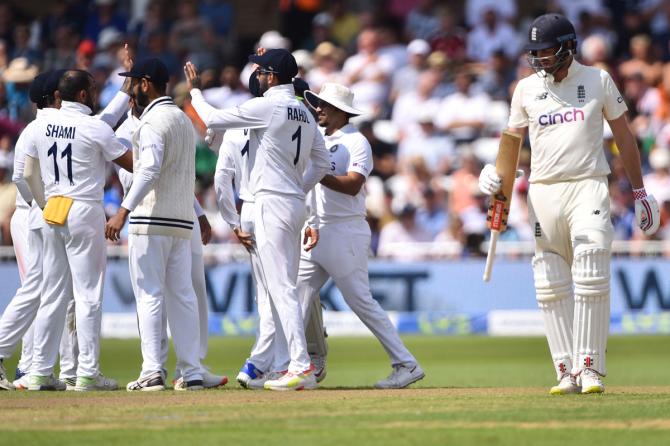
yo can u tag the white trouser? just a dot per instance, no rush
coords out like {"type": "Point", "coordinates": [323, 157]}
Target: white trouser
{"type": "Point", "coordinates": [200, 289]}
{"type": "Point", "coordinates": [17, 320]}
{"type": "Point", "coordinates": [278, 221]}
{"type": "Point", "coordinates": [269, 344]}
{"type": "Point", "coordinates": [160, 269]}
{"type": "Point", "coordinates": [74, 254]}
{"type": "Point", "coordinates": [573, 238]}
{"type": "Point", "coordinates": [342, 253]}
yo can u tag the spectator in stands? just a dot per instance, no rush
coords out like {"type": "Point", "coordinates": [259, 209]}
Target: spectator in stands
{"type": "Point", "coordinates": [346, 24]}
{"type": "Point", "coordinates": [7, 191]}
{"type": "Point", "coordinates": [497, 77]}
{"type": "Point", "coordinates": [432, 215]}
{"type": "Point", "coordinates": [367, 73]}
{"type": "Point", "coordinates": [658, 180]}
{"type": "Point", "coordinates": [397, 240]}
{"type": "Point", "coordinates": [475, 9]}
{"type": "Point", "coordinates": [463, 113]}
{"type": "Point", "coordinates": [63, 54]}
{"type": "Point", "coordinates": [423, 140]}
{"type": "Point", "coordinates": [422, 23]}
{"type": "Point", "coordinates": [450, 39]}
{"type": "Point", "coordinates": [104, 15]}
{"type": "Point", "coordinates": [406, 78]}
{"type": "Point", "coordinates": [491, 35]}
{"type": "Point", "coordinates": [231, 92]}
{"type": "Point", "coordinates": [322, 31]}
{"type": "Point", "coordinates": [191, 36]}
{"type": "Point", "coordinates": [22, 46]}
{"type": "Point", "coordinates": [643, 61]}
{"type": "Point", "coordinates": [327, 60]}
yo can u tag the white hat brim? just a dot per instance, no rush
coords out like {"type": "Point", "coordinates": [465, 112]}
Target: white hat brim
{"type": "Point", "coordinates": [313, 100]}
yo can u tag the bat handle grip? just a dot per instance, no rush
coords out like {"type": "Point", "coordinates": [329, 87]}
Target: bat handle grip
{"type": "Point", "coordinates": [491, 255]}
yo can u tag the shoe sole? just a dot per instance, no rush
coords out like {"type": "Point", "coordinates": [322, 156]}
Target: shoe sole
{"type": "Point", "coordinates": [223, 382]}
{"type": "Point", "coordinates": [147, 389]}
{"type": "Point", "coordinates": [593, 389]}
{"type": "Point", "coordinates": [418, 378]}
{"type": "Point", "coordinates": [559, 391]}
{"type": "Point", "coordinates": [86, 389]}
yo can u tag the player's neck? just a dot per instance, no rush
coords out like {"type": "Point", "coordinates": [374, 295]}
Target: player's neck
{"type": "Point", "coordinates": [562, 72]}
{"type": "Point", "coordinates": [335, 126]}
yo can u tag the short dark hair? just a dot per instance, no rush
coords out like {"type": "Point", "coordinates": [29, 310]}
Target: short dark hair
{"type": "Point", "coordinates": [161, 87]}
{"type": "Point", "coordinates": [72, 82]}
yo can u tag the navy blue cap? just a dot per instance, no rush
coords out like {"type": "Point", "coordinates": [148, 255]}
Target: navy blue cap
{"type": "Point", "coordinates": [36, 91]}
{"type": "Point", "coordinates": [152, 69]}
{"type": "Point", "coordinates": [548, 31]}
{"type": "Point", "coordinates": [278, 61]}
{"type": "Point", "coordinates": [51, 84]}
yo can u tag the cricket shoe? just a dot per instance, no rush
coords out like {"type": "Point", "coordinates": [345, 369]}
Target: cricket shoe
{"type": "Point", "coordinates": [22, 383]}
{"type": "Point", "coordinates": [304, 380]}
{"type": "Point", "coordinates": [319, 363]}
{"type": "Point", "coordinates": [4, 382]}
{"type": "Point", "coordinates": [210, 380]}
{"type": "Point", "coordinates": [45, 382]}
{"type": "Point", "coordinates": [401, 377]}
{"type": "Point", "coordinates": [248, 373]}
{"type": "Point", "coordinates": [18, 374]}
{"type": "Point", "coordinates": [591, 382]}
{"type": "Point", "coordinates": [92, 383]}
{"type": "Point", "coordinates": [150, 383]}
{"type": "Point", "coordinates": [70, 383]}
{"type": "Point", "coordinates": [181, 385]}
{"type": "Point", "coordinates": [259, 383]}
{"type": "Point", "coordinates": [566, 385]}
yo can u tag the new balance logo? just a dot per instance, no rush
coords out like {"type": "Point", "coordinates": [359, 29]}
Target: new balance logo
{"type": "Point", "coordinates": [596, 212]}
{"type": "Point", "coordinates": [542, 96]}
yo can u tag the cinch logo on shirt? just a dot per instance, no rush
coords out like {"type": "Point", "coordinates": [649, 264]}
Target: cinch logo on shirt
{"type": "Point", "coordinates": [559, 118]}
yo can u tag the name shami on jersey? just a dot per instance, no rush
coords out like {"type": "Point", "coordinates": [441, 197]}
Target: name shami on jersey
{"type": "Point", "coordinates": [60, 131]}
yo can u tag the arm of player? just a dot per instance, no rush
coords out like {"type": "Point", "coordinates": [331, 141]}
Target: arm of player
{"type": "Point", "coordinates": [33, 178]}
{"type": "Point", "coordinates": [320, 163]}
{"type": "Point", "coordinates": [349, 184]}
{"type": "Point", "coordinates": [19, 168]}
{"type": "Point", "coordinates": [244, 116]}
{"type": "Point", "coordinates": [647, 212]}
{"type": "Point", "coordinates": [311, 235]}
{"type": "Point", "coordinates": [223, 187]}
{"type": "Point", "coordinates": [205, 227]}
{"type": "Point", "coordinates": [151, 159]}
{"type": "Point", "coordinates": [118, 106]}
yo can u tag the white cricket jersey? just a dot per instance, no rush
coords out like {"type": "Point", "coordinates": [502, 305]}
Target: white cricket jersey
{"type": "Point", "coordinates": [231, 167]}
{"type": "Point", "coordinates": [565, 121]}
{"type": "Point", "coordinates": [349, 151]}
{"type": "Point", "coordinates": [283, 137]}
{"type": "Point", "coordinates": [26, 140]}
{"type": "Point", "coordinates": [72, 148]}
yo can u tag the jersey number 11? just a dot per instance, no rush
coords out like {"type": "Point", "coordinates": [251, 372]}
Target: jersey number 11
{"type": "Point", "coordinates": [67, 153]}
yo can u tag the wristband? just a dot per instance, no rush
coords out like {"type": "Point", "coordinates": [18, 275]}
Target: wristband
{"type": "Point", "coordinates": [639, 194]}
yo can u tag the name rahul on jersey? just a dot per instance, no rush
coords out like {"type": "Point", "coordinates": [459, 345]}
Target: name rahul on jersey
{"type": "Point", "coordinates": [295, 114]}
{"type": "Point", "coordinates": [61, 131]}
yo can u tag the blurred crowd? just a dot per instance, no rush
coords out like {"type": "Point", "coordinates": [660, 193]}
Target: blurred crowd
{"type": "Point", "coordinates": [434, 78]}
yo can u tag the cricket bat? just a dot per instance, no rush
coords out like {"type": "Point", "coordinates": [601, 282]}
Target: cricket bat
{"type": "Point", "coordinates": [507, 162]}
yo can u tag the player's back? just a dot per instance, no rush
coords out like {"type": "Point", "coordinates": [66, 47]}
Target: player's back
{"type": "Point", "coordinates": [71, 152]}
{"type": "Point", "coordinates": [284, 146]}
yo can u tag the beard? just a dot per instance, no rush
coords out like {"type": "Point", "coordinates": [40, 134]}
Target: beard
{"type": "Point", "coordinates": [141, 98]}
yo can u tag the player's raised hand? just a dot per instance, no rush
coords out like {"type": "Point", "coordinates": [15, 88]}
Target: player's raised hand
{"type": "Point", "coordinates": [310, 239]}
{"type": "Point", "coordinates": [115, 225]}
{"type": "Point", "coordinates": [192, 76]}
{"type": "Point", "coordinates": [647, 213]}
{"type": "Point", "coordinates": [127, 60]}
{"type": "Point", "coordinates": [205, 229]}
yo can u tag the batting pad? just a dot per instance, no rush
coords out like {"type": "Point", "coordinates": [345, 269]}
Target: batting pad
{"type": "Point", "coordinates": [57, 209]}
{"type": "Point", "coordinates": [315, 332]}
{"type": "Point", "coordinates": [591, 272]}
{"type": "Point", "coordinates": [553, 286]}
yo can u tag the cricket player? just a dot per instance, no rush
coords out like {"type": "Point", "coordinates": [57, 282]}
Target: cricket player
{"type": "Point", "coordinates": [70, 151]}
{"type": "Point", "coordinates": [344, 234]}
{"type": "Point", "coordinates": [202, 234]}
{"type": "Point", "coordinates": [563, 106]}
{"type": "Point", "coordinates": [160, 204]}
{"type": "Point", "coordinates": [269, 352]}
{"type": "Point", "coordinates": [283, 137]}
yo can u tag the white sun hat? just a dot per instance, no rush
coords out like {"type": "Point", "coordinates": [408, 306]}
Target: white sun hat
{"type": "Point", "coordinates": [336, 95]}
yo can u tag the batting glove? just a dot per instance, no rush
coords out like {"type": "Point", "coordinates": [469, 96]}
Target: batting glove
{"type": "Point", "coordinates": [489, 180]}
{"type": "Point", "coordinates": [647, 213]}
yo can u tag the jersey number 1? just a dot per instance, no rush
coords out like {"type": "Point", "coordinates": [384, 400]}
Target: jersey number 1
{"type": "Point", "coordinates": [297, 135]}
{"type": "Point", "coordinates": [67, 153]}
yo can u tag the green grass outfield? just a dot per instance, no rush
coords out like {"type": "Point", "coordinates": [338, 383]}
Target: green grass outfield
{"type": "Point", "coordinates": [478, 391]}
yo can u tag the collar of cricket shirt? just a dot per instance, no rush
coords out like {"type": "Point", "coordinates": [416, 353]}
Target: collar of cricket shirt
{"type": "Point", "coordinates": [163, 100]}
{"type": "Point", "coordinates": [345, 129]}
{"type": "Point", "coordinates": [76, 106]}
{"type": "Point", "coordinates": [572, 69]}
{"type": "Point", "coordinates": [280, 89]}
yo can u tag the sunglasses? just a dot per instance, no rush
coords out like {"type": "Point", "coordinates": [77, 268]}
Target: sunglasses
{"type": "Point", "coordinates": [260, 71]}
